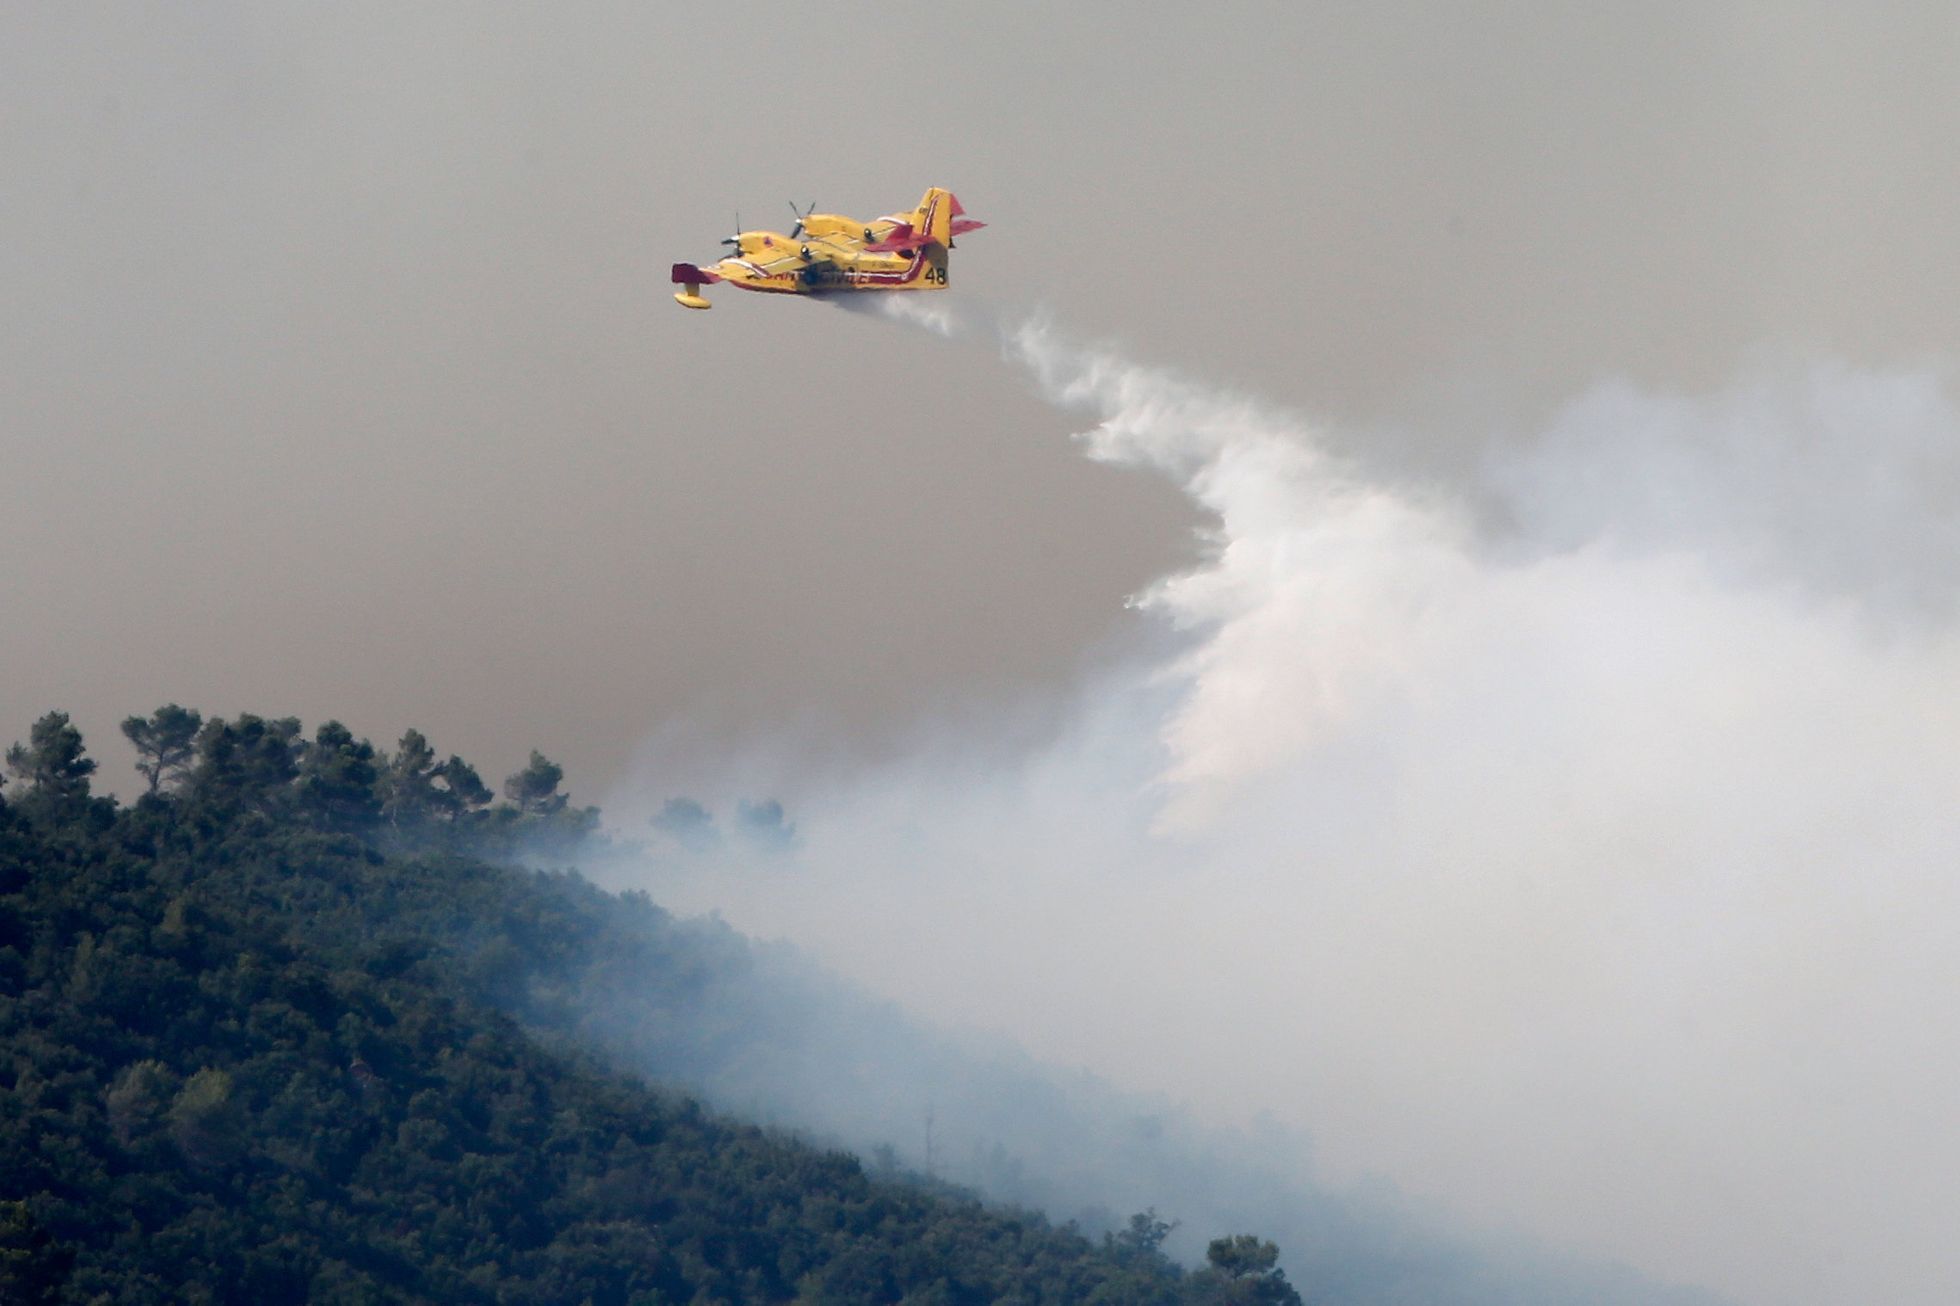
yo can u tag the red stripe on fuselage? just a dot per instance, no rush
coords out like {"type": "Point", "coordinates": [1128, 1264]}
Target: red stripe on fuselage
{"type": "Point", "coordinates": [909, 272]}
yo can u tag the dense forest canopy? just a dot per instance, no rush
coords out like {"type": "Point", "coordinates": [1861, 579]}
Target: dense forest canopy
{"type": "Point", "coordinates": [284, 1028]}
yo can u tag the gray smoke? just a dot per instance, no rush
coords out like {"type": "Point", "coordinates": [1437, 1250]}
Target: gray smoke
{"type": "Point", "coordinates": [1570, 846]}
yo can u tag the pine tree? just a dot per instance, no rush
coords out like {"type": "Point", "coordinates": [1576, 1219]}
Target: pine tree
{"type": "Point", "coordinates": [534, 790]}
{"type": "Point", "coordinates": [165, 741]}
{"type": "Point", "coordinates": [52, 768]}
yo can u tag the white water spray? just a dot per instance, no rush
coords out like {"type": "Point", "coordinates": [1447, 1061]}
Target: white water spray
{"type": "Point", "coordinates": [1595, 879]}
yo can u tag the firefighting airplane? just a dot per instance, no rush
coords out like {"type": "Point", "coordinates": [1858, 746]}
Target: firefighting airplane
{"type": "Point", "coordinates": [826, 253]}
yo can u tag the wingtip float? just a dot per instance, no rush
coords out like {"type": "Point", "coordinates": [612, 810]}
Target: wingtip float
{"type": "Point", "coordinates": [827, 253]}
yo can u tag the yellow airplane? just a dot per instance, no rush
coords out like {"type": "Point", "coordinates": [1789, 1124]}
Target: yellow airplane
{"type": "Point", "coordinates": [826, 253]}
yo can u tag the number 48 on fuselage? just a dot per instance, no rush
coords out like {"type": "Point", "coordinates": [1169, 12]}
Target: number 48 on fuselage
{"type": "Point", "coordinates": [826, 253]}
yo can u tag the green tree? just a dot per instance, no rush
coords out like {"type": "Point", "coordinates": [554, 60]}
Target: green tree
{"type": "Point", "coordinates": [338, 779]}
{"type": "Point", "coordinates": [205, 1121]}
{"type": "Point", "coordinates": [1242, 1255]}
{"type": "Point", "coordinates": [688, 822]}
{"type": "Point", "coordinates": [1245, 1268]}
{"type": "Point", "coordinates": [1145, 1235]}
{"type": "Point", "coordinates": [33, 1267]}
{"type": "Point", "coordinates": [409, 795]}
{"type": "Point", "coordinates": [165, 741]}
{"type": "Point", "coordinates": [416, 790]}
{"type": "Point", "coordinates": [534, 790]}
{"type": "Point", "coordinates": [136, 1100]}
{"type": "Point", "coordinates": [465, 789]}
{"type": "Point", "coordinates": [247, 763]}
{"type": "Point", "coordinates": [52, 767]}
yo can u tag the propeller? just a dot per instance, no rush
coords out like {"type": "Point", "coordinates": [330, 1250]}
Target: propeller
{"type": "Point", "coordinates": [796, 231]}
{"type": "Point", "coordinates": [736, 239]}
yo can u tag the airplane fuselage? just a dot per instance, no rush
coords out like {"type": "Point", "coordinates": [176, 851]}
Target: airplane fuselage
{"type": "Point", "coordinates": [817, 264]}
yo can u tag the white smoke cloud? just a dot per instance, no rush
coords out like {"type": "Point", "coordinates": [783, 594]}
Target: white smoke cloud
{"type": "Point", "coordinates": [1591, 874]}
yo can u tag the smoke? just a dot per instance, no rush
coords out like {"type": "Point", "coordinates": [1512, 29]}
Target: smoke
{"type": "Point", "coordinates": [1571, 846]}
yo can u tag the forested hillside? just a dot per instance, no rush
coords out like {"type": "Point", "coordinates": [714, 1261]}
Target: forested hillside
{"type": "Point", "coordinates": [286, 1028]}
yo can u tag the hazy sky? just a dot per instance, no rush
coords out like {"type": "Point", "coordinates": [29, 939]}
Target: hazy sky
{"type": "Point", "coordinates": [338, 373]}
{"type": "Point", "coordinates": [1571, 660]}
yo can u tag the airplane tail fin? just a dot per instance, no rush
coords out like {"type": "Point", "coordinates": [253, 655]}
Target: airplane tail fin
{"type": "Point", "coordinates": [933, 219]}
{"type": "Point", "coordinates": [940, 217]}
{"type": "Point", "coordinates": [936, 221]}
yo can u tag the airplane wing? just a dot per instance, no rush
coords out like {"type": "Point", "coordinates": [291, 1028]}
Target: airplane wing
{"type": "Point", "coordinates": [763, 261]}
{"type": "Point", "coordinates": [769, 261]}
